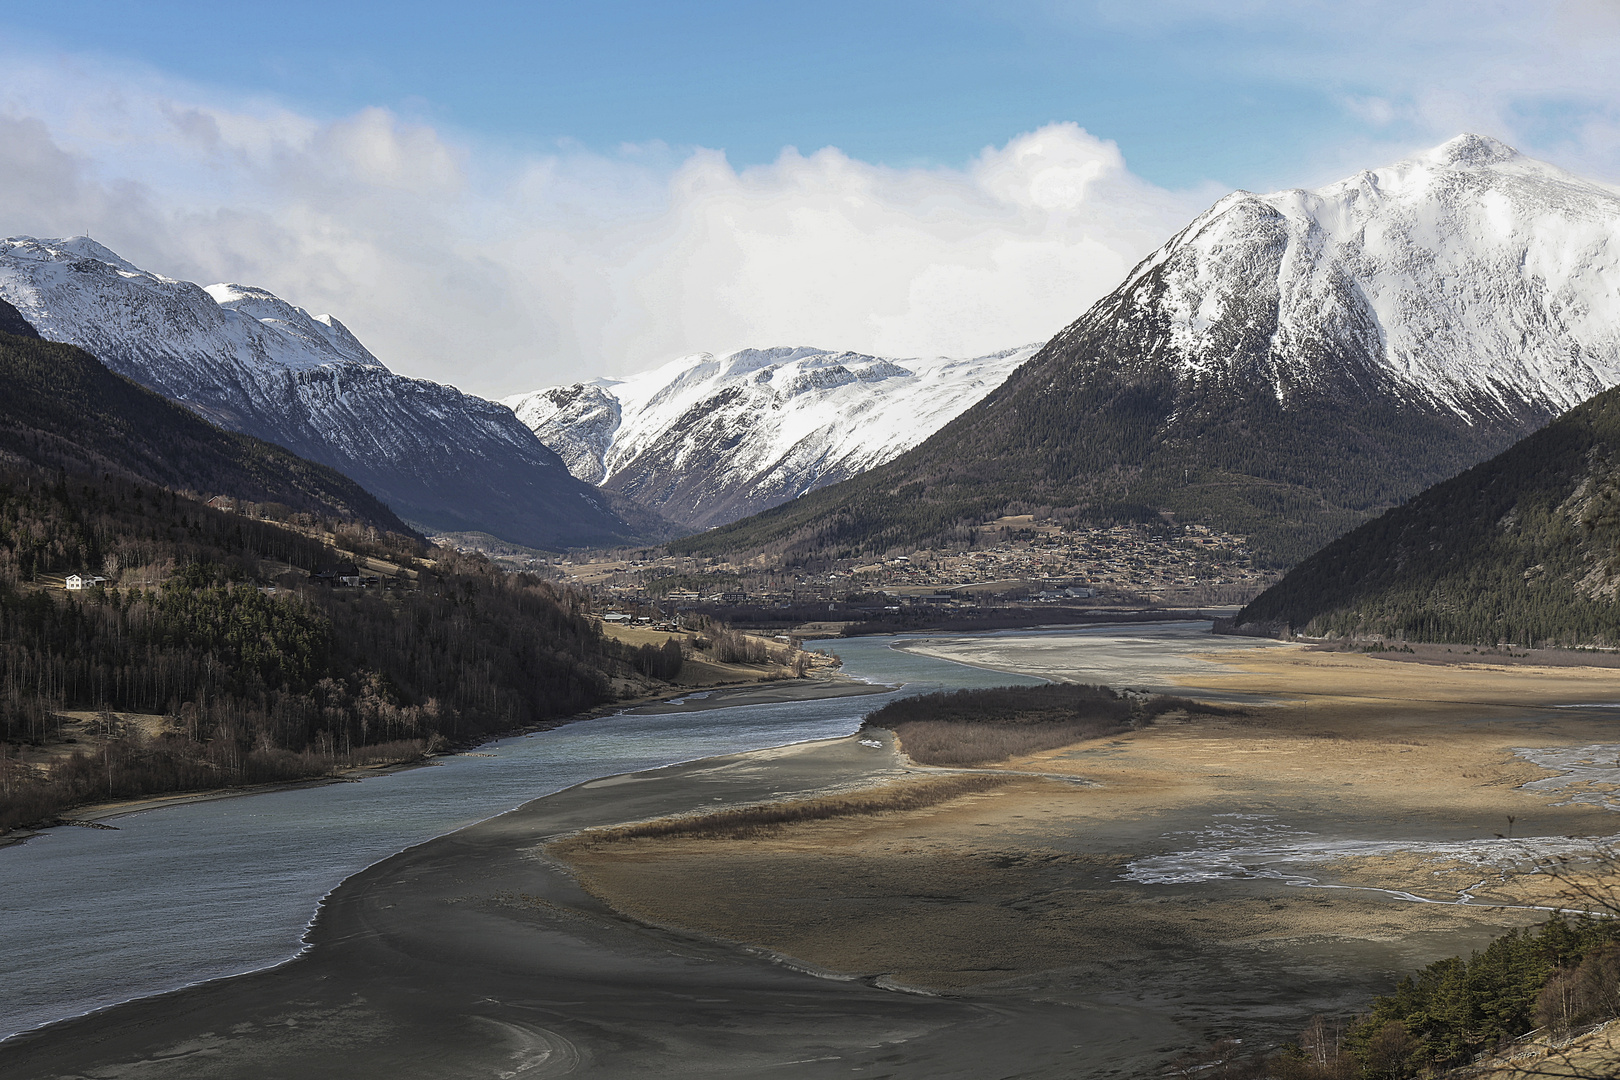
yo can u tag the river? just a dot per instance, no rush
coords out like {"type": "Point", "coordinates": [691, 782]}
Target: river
{"type": "Point", "coordinates": [181, 894]}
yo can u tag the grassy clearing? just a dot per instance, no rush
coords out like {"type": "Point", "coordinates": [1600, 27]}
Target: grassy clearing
{"type": "Point", "coordinates": [754, 822]}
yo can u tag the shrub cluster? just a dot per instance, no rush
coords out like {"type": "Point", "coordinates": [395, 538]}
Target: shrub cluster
{"type": "Point", "coordinates": [979, 727]}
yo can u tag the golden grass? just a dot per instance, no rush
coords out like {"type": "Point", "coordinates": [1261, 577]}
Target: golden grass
{"type": "Point", "coordinates": [767, 819]}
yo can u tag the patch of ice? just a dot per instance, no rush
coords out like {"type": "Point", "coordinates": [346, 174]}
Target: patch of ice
{"type": "Point", "coordinates": [1255, 847]}
{"type": "Point", "coordinates": [1588, 774]}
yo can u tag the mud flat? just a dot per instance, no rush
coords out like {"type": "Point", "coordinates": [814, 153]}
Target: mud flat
{"type": "Point", "coordinates": [476, 955]}
{"type": "Point", "coordinates": [1097, 909]}
{"type": "Point", "coordinates": [1223, 875]}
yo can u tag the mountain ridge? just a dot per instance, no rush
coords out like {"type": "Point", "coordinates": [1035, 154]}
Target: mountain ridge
{"type": "Point", "coordinates": [254, 363]}
{"type": "Point", "coordinates": [705, 439]}
{"type": "Point", "coordinates": [62, 409]}
{"type": "Point", "coordinates": [1284, 367]}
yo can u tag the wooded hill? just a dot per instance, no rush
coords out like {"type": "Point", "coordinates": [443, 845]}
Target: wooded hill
{"type": "Point", "coordinates": [1524, 548]}
{"type": "Point", "coordinates": [1102, 425]}
{"type": "Point", "coordinates": [211, 628]}
{"type": "Point", "coordinates": [61, 408]}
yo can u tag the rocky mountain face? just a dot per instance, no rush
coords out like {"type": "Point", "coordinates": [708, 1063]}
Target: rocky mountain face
{"type": "Point", "coordinates": [704, 440]}
{"type": "Point", "coordinates": [61, 409]}
{"type": "Point", "coordinates": [1285, 367]}
{"type": "Point", "coordinates": [1521, 549]}
{"type": "Point", "coordinates": [250, 362]}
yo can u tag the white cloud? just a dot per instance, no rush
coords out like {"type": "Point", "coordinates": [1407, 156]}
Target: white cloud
{"type": "Point", "coordinates": [461, 263]}
{"type": "Point", "coordinates": [1539, 74]}
{"type": "Point", "coordinates": [469, 263]}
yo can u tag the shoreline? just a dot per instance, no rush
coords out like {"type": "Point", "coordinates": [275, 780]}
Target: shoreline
{"type": "Point", "coordinates": [474, 948]}
{"type": "Point", "coordinates": [414, 967]}
{"type": "Point", "coordinates": [757, 692]}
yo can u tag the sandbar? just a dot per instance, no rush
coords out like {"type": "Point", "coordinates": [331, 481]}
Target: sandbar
{"type": "Point", "coordinates": [1231, 875]}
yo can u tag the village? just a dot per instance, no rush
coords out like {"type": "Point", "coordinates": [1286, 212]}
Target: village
{"type": "Point", "coordinates": [1013, 560]}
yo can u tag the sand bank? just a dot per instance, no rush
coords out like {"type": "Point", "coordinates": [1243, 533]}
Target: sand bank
{"type": "Point", "coordinates": [769, 693]}
{"type": "Point", "coordinates": [476, 955]}
{"type": "Point", "coordinates": [1228, 875]}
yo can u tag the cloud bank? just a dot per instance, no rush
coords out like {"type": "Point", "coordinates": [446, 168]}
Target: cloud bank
{"type": "Point", "coordinates": [497, 270]}
{"type": "Point", "coordinates": [499, 273]}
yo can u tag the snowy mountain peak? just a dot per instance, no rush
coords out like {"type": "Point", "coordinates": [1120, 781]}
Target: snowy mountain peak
{"type": "Point", "coordinates": [86, 248]}
{"type": "Point", "coordinates": [705, 439]}
{"type": "Point", "coordinates": [1472, 151]}
{"type": "Point", "coordinates": [76, 290]}
{"type": "Point", "coordinates": [250, 361]}
{"type": "Point", "coordinates": [1469, 277]}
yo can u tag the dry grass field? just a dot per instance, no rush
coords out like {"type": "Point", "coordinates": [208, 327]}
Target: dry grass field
{"type": "Point", "coordinates": [1248, 869]}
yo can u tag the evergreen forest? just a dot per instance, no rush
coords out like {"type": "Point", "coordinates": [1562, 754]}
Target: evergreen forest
{"type": "Point", "coordinates": [211, 627]}
{"type": "Point", "coordinates": [1523, 549]}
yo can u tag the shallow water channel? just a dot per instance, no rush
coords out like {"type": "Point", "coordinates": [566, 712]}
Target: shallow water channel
{"type": "Point", "coordinates": [180, 894]}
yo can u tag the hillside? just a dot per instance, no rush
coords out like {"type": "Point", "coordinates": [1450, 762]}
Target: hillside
{"type": "Point", "coordinates": [211, 658]}
{"type": "Point", "coordinates": [1524, 548]}
{"type": "Point", "coordinates": [60, 408]}
{"type": "Point", "coordinates": [1284, 368]}
{"type": "Point", "coordinates": [704, 439]}
{"type": "Point", "coordinates": [254, 363]}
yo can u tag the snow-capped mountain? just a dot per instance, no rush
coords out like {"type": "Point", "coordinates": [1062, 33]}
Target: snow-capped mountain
{"type": "Point", "coordinates": [1471, 278]}
{"type": "Point", "coordinates": [707, 439]}
{"type": "Point", "coordinates": [252, 362]}
{"type": "Point", "coordinates": [1286, 366]}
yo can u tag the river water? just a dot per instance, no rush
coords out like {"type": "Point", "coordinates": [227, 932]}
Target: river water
{"type": "Point", "coordinates": [180, 894]}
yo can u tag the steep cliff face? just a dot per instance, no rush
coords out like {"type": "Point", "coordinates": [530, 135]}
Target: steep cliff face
{"type": "Point", "coordinates": [254, 363]}
{"type": "Point", "coordinates": [707, 439]}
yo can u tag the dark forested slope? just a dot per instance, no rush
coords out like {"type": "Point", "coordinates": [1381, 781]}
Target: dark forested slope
{"type": "Point", "coordinates": [211, 628]}
{"type": "Point", "coordinates": [1524, 548]}
{"type": "Point", "coordinates": [61, 408]}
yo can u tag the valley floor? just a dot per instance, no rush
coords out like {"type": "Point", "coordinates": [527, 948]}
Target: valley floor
{"type": "Point", "coordinates": [1231, 875]}
{"type": "Point", "coordinates": [1088, 911]}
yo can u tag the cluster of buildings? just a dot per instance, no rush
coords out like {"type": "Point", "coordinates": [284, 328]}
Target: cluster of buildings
{"type": "Point", "coordinates": [1012, 560]}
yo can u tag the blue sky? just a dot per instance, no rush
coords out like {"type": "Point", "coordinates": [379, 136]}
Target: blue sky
{"type": "Point", "coordinates": [591, 188]}
{"type": "Point", "coordinates": [1188, 98]}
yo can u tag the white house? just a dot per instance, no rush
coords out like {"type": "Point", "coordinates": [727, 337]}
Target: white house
{"type": "Point", "coordinates": [83, 581]}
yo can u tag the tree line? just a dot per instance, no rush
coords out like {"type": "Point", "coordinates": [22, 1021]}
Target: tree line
{"type": "Point", "coordinates": [1521, 549]}
{"type": "Point", "coordinates": [210, 622]}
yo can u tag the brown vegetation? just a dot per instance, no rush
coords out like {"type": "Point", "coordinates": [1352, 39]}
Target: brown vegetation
{"type": "Point", "coordinates": [752, 822]}
{"type": "Point", "coordinates": [981, 727]}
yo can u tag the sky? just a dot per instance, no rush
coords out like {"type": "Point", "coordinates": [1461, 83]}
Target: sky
{"type": "Point", "coordinates": [505, 196]}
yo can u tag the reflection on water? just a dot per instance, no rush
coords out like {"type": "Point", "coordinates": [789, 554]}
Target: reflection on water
{"type": "Point", "coordinates": [176, 895]}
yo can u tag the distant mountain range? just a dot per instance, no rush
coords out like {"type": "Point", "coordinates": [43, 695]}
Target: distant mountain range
{"type": "Point", "coordinates": [1285, 367]}
{"type": "Point", "coordinates": [441, 459]}
{"type": "Point", "coordinates": [704, 440]}
{"type": "Point", "coordinates": [61, 409]}
{"type": "Point", "coordinates": [1523, 549]}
